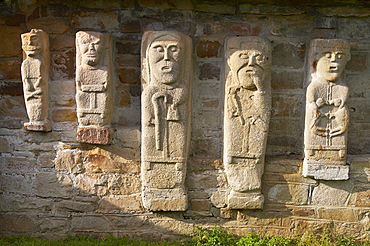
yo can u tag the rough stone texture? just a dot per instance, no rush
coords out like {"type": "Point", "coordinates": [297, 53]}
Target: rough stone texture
{"type": "Point", "coordinates": [327, 115]}
{"type": "Point", "coordinates": [94, 87]}
{"type": "Point", "coordinates": [246, 120]}
{"type": "Point", "coordinates": [166, 128]}
{"type": "Point", "coordinates": [97, 190]}
{"type": "Point", "coordinates": [35, 76]}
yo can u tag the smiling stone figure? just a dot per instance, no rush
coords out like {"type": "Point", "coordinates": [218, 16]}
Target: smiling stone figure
{"type": "Point", "coordinates": [246, 120]}
{"type": "Point", "coordinates": [326, 111]}
{"type": "Point", "coordinates": [166, 61]}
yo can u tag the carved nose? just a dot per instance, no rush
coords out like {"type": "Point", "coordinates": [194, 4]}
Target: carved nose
{"type": "Point", "coordinates": [252, 60]}
{"type": "Point", "coordinates": [91, 47]}
{"type": "Point", "coordinates": [333, 57]}
{"type": "Point", "coordinates": [166, 56]}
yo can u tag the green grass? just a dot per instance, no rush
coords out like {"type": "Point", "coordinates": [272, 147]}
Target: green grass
{"type": "Point", "coordinates": [207, 237]}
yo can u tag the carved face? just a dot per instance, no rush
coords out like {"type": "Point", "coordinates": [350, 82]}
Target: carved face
{"type": "Point", "coordinates": [91, 47]}
{"type": "Point", "coordinates": [165, 60]}
{"type": "Point", "coordinates": [331, 65]}
{"type": "Point", "coordinates": [247, 66]}
{"type": "Point", "coordinates": [31, 44]}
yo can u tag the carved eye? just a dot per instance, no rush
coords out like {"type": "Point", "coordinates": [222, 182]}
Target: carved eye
{"type": "Point", "coordinates": [339, 56]}
{"type": "Point", "coordinates": [244, 56]}
{"type": "Point", "coordinates": [159, 48]}
{"type": "Point", "coordinates": [328, 55]}
{"type": "Point", "coordinates": [260, 58]}
{"type": "Point", "coordinates": [173, 48]}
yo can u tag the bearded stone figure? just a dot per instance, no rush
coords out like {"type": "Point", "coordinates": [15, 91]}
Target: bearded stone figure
{"type": "Point", "coordinates": [35, 76]}
{"type": "Point", "coordinates": [167, 79]}
{"type": "Point", "coordinates": [246, 119]}
{"type": "Point", "coordinates": [93, 87]}
{"type": "Point", "coordinates": [327, 116]}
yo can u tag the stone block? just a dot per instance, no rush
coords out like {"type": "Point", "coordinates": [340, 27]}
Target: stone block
{"type": "Point", "coordinates": [287, 105]}
{"type": "Point", "coordinates": [217, 9]}
{"type": "Point", "coordinates": [208, 49]}
{"type": "Point", "coordinates": [238, 200]}
{"type": "Point", "coordinates": [169, 4]}
{"type": "Point", "coordinates": [206, 180]}
{"type": "Point", "coordinates": [46, 159]}
{"type": "Point", "coordinates": [121, 203]}
{"type": "Point", "coordinates": [63, 64]}
{"type": "Point", "coordinates": [358, 63]}
{"type": "Point", "coordinates": [123, 185]}
{"type": "Point", "coordinates": [69, 160]}
{"type": "Point", "coordinates": [296, 194]}
{"type": "Point", "coordinates": [62, 41]}
{"type": "Point", "coordinates": [207, 147]}
{"type": "Point", "coordinates": [124, 98]}
{"type": "Point", "coordinates": [165, 199]}
{"type": "Point", "coordinates": [10, 43]}
{"type": "Point", "coordinates": [289, 55]}
{"type": "Point", "coordinates": [209, 71]}
{"type": "Point", "coordinates": [90, 223]}
{"type": "Point", "coordinates": [128, 48]}
{"type": "Point", "coordinates": [200, 205]}
{"type": "Point", "coordinates": [94, 135]}
{"type": "Point", "coordinates": [325, 171]}
{"type": "Point", "coordinates": [219, 198]}
{"type": "Point", "coordinates": [113, 5]}
{"type": "Point", "coordinates": [73, 206]}
{"type": "Point", "coordinates": [287, 79]}
{"type": "Point", "coordinates": [202, 164]}
{"type": "Point", "coordinates": [11, 88]}
{"type": "Point", "coordinates": [10, 70]}
{"type": "Point", "coordinates": [130, 76]}
{"type": "Point", "coordinates": [332, 193]}
{"type": "Point", "coordinates": [15, 222]}
{"type": "Point", "coordinates": [16, 184]}
{"type": "Point", "coordinates": [338, 214]}
{"type": "Point", "coordinates": [325, 22]}
{"type": "Point", "coordinates": [48, 184]}
{"type": "Point", "coordinates": [62, 114]}
{"type": "Point", "coordinates": [95, 20]}
{"type": "Point", "coordinates": [4, 145]}
{"type": "Point", "coordinates": [15, 19]}
{"type": "Point", "coordinates": [50, 25]}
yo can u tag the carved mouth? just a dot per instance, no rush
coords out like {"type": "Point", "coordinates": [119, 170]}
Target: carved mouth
{"type": "Point", "coordinates": [166, 69]}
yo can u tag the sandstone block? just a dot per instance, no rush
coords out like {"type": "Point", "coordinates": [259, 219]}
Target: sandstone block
{"type": "Point", "coordinates": [208, 49]}
{"type": "Point", "coordinates": [11, 88]}
{"type": "Point", "coordinates": [63, 64]}
{"type": "Point", "coordinates": [332, 193]}
{"type": "Point", "coordinates": [4, 145]}
{"type": "Point", "coordinates": [296, 194]}
{"type": "Point", "coordinates": [73, 206]}
{"type": "Point", "coordinates": [238, 200]}
{"type": "Point", "coordinates": [89, 223]}
{"type": "Point", "coordinates": [10, 44]}
{"type": "Point", "coordinates": [289, 55]}
{"type": "Point", "coordinates": [95, 20]}
{"type": "Point", "coordinates": [209, 71]}
{"type": "Point", "coordinates": [119, 203]}
{"type": "Point", "coordinates": [219, 198]}
{"type": "Point", "coordinates": [130, 76]}
{"type": "Point", "coordinates": [131, 26]}
{"type": "Point", "coordinates": [13, 222]}
{"type": "Point", "coordinates": [56, 25]}
{"type": "Point", "coordinates": [62, 115]}
{"type": "Point", "coordinates": [69, 160]}
{"type": "Point", "coordinates": [94, 135]}
{"type": "Point", "coordinates": [10, 70]}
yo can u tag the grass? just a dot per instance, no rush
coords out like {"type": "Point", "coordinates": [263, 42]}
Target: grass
{"type": "Point", "coordinates": [207, 237]}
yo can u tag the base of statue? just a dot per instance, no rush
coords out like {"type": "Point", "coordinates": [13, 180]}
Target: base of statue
{"type": "Point", "coordinates": [94, 135]}
{"type": "Point", "coordinates": [165, 199]}
{"type": "Point", "coordinates": [239, 200]}
{"type": "Point", "coordinates": [37, 127]}
{"type": "Point", "coordinates": [325, 171]}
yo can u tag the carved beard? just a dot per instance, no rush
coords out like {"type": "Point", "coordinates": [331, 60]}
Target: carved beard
{"type": "Point", "coordinates": [92, 61]}
{"type": "Point", "coordinates": [248, 76]}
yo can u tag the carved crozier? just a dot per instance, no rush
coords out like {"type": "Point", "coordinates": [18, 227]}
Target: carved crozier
{"type": "Point", "coordinates": [246, 118]}
{"type": "Point", "coordinates": [327, 116]}
{"type": "Point", "coordinates": [93, 87]}
{"type": "Point", "coordinates": [35, 76]}
{"type": "Point", "coordinates": [166, 82]}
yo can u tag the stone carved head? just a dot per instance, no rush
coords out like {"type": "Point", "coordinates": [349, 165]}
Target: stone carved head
{"type": "Point", "coordinates": [165, 59]}
{"type": "Point", "coordinates": [91, 47]}
{"type": "Point", "coordinates": [248, 60]}
{"type": "Point", "coordinates": [35, 42]}
{"type": "Point", "coordinates": [330, 59]}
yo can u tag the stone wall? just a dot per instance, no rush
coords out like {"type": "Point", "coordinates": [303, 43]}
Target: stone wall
{"type": "Point", "coordinates": [51, 185]}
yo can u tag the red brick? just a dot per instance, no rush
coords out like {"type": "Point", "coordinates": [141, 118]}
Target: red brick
{"type": "Point", "coordinates": [208, 49]}
{"type": "Point", "coordinates": [130, 76]}
{"type": "Point", "coordinates": [131, 26]}
{"type": "Point", "coordinates": [11, 88]}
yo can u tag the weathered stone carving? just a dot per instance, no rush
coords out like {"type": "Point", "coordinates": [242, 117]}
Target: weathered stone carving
{"type": "Point", "coordinates": [327, 114]}
{"type": "Point", "coordinates": [167, 78]}
{"type": "Point", "coordinates": [93, 87]}
{"type": "Point", "coordinates": [35, 76]}
{"type": "Point", "coordinates": [246, 118]}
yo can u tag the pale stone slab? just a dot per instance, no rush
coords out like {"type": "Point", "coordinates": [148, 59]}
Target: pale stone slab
{"type": "Point", "coordinates": [94, 87]}
{"type": "Point", "coordinates": [166, 81]}
{"type": "Point", "coordinates": [35, 76]}
{"type": "Point", "coordinates": [246, 118]}
{"type": "Point", "coordinates": [327, 115]}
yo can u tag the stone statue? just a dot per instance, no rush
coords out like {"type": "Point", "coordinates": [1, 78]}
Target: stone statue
{"type": "Point", "coordinates": [327, 114]}
{"type": "Point", "coordinates": [167, 78]}
{"type": "Point", "coordinates": [246, 118]}
{"type": "Point", "coordinates": [93, 87]}
{"type": "Point", "coordinates": [35, 76]}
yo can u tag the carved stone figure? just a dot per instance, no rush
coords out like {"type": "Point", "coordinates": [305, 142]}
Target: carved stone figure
{"type": "Point", "coordinates": [327, 114]}
{"type": "Point", "coordinates": [167, 78]}
{"type": "Point", "coordinates": [35, 76]}
{"type": "Point", "coordinates": [246, 118]}
{"type": "Point", "coordinates": [93, 87]}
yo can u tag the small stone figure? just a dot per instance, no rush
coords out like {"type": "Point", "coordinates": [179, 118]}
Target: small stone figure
{"type": "Point", "coordinates": [35, 76]}
{"type": "Point", "coordinates": [167, 76]}
{"type": "Point", "coordinates": [246, 119]}
{"type": "Point", "coordinates": [93, 87]}
{"type": "Point", "coordinates": [327, 114]}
